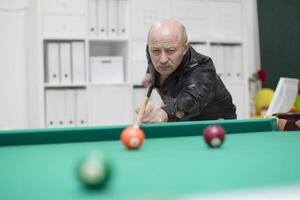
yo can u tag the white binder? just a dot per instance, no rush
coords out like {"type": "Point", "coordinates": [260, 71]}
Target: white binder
{"type": "Point", "coordinates": [78, 62]}
{"type": "Point", "coordinates": [122, 18]}
{"type": "Point", "coordinates": [228, 61]}
{"type": "Point", "coordinates": [102, 15]}
{"type": "Point", "coordinates": [217, 55]}
{"type": "Point", "coordinates": [233, 62]}
{"type": "Point", "coordinates": [70, 107]}
{"type": "Point", "coordinates": [59, 107]}
{"type": "Point", "coordinates": [53, 75]}
{"type": "Point", "coordinates": [112, 18]}
{"type": "Point", "coordinates": [65, 62]}
{"type": "Point", "coordinates": [81, 108]}
{"type": "Point", "coordinates": [237, 65]}
{"type": "Point", "coordinates": [50, 108]}
{"type": "Point", "coordinates": [92, 18]}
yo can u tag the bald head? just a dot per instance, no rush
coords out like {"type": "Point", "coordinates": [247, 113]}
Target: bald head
{"type": "Point", "coordinates": [168, 28]}
{"type": "Point", "coordinates": [167, 45]}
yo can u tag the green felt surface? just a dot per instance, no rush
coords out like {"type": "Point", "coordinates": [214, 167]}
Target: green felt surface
{"type": "Point", "coordinates": [171, 166]}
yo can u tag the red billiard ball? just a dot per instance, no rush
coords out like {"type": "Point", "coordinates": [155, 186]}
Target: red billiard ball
{"type": "Point", "coordinates": [214, 136]}
{"type": "Point", "coordinates": [132, 137]}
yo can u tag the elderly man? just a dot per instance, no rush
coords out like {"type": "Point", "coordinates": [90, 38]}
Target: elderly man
{"type": "Point", "coordinates": [186, 80]}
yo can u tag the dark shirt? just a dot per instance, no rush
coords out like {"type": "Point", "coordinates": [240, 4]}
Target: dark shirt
{"type": "Point", "coordinates": [195, 88]}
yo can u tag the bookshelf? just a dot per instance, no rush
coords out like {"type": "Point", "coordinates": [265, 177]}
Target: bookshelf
{"type": "Point", "coordinates": [74, 34]}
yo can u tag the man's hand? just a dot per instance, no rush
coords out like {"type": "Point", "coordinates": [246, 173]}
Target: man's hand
{"type": "Point", "coordinates": [147, 80]}
{"type": "Point", "coordinates": [154, 114]}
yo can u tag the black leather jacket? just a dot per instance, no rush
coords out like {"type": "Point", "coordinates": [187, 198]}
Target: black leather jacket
{"type": "Point", "coordinates": [194, 88]}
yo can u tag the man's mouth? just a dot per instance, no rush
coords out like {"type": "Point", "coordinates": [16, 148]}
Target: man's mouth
{"type": "Point", "coordinates": [164, 67]}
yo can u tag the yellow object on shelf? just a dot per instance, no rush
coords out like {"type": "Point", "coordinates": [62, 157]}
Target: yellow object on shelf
{"type": "Point", "coordinates": [297, 104]}
{"type": "Point", "coordinates": [263, 99]}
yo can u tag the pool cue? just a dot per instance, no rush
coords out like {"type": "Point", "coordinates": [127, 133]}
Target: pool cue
{"type": "Point", "coordinates": [142, 109]}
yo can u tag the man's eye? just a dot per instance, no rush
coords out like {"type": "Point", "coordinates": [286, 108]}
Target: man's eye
{"type": "Point", "coordinates": [155, 51]}
{"type": "Point", "coordinates": [170, 51]}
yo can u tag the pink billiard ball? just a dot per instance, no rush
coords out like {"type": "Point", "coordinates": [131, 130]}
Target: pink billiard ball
{"type": "Point", "coordinates": [214, 136]}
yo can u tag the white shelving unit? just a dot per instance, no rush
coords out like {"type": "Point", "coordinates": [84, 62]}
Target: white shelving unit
{"type": "Point", "coordinates": [215, 28]}
{"type": "Point", "coordinates": [70, 35]}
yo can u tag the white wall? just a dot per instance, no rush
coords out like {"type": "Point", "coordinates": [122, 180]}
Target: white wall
{"type": "Point", "coordinates": [13, 102]}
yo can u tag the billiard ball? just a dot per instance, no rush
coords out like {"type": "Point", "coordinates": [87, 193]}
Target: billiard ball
{"type": "Point", "coordinates": [132, 137]}
{"type": "Point", "coordinates": [94, 170]}
{"type": "Point", "coordinates": [214, 136]}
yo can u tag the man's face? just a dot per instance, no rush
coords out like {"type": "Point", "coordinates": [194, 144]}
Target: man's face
{"type": "Point", "coordinates": [166, 52]}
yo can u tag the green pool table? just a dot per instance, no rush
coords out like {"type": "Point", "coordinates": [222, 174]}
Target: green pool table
{"type": "Point", "coordinates": [174, 161]}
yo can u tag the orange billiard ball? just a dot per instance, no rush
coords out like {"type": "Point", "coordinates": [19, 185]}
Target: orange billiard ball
{"type": "Point", "coordinates": [132, 137]}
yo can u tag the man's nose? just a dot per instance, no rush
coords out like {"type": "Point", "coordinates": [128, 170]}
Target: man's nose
{"type": "Point", "coordinates": [163, 58]}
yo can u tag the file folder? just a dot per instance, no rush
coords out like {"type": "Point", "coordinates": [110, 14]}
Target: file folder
{"type": "Point", "coordinates": [78, 62]}
{"type": "Point", "coordinates": [217, 54]}
{"type": "Point", "coordinates": [102, 20]}
{"type": "Point", "coordinates": [65, 62]}
{"type": "Point", "coordinates": [52, 59]}
{"type": "Point", "coordinates": [122, 13]}
{"type": "Point", "coordinates": [50, 109]}
{"type": "Point", "coordinates": [59, 108]}
{"type": "Point", "coordinates": [92, 17]}
{"type": "Point", "coordinates": [81, 107]}
{"type": "Point", "coordinates": [70, 107]}
{"type": "Point", "coordinates": [112, 18]}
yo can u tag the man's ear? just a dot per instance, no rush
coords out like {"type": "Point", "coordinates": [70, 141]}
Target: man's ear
{"type": "Point", "coordinates": [186, 47]}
